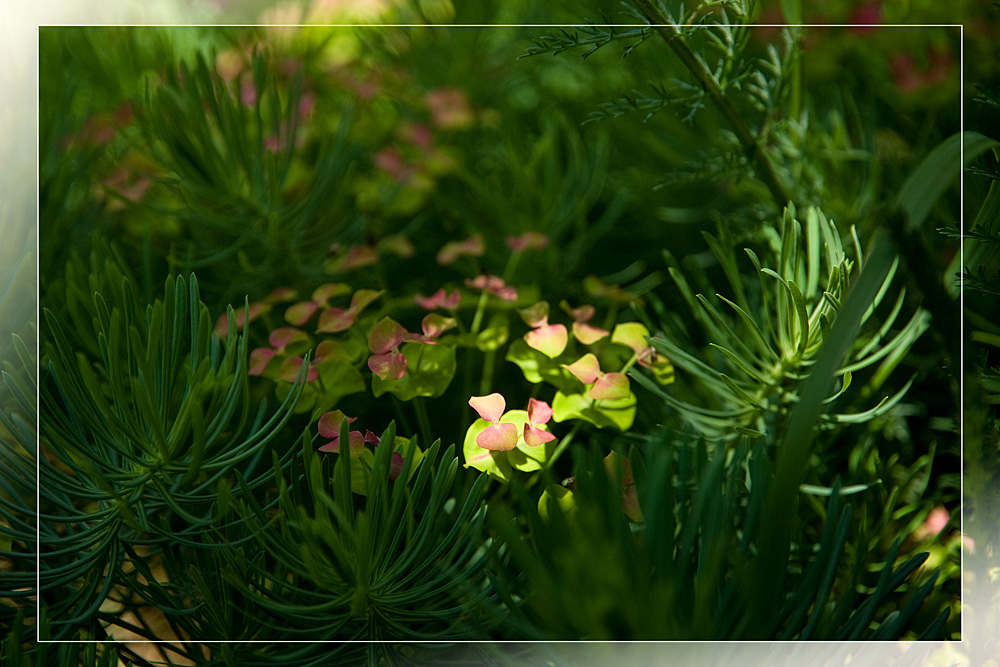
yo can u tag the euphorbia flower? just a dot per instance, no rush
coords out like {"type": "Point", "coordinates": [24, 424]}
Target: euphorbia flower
{"type": "Point", "coordinates": [289, 369]}
{"type": "Point", "coordinates": [549, 339]}
{"type": "Point", "coordinates": [633, 335]}
{"type": "Point", "coordinates": [498, 437]}
{"type": "Point", "coordinates": [433, 325]}
{"type": "Point", "coordinates": [474, 246]}
{"type": "Point", "coordinates": [329, 427]}
{"type": "Point", "coordinates": [606, 386]}
{"type": "Point", "coordinates": [395, 465]}
{"type": "Point", "coordinates": [494, 285]}
{"type": "Point", "coordinates": [335, 319]}
{"type": "Point", "coordinates": [353, 257]}
{"type": "Point", "coordinates": [279, 339]}
{"type": "Point", "coordinates": [583, 332]}
{"type": "Point", "coordinates": [390, 160]}
{"type": "Point", "coordinates": [387, 362]}
{"type": "Point", "coordinates": [299, 313]}
{"type": "Point", "coordinates": [528, 241]}
{"type": "Point", "coordinates": [439, 299]}
{"type": "Point", "coordinates": [539, 414]}
{"type": "Point", "coordinates": [449, 108]}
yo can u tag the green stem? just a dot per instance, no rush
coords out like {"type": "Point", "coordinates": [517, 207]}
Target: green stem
{"type": "Point", "coordinates": [423, 420]}
{"type": "Point", "coordinates": [562, 446]}
{"type": "Point", "coordinates": [401, 414]}
{"type": "Point", "coordinates": [489, 364]}
{"type": "Point", "coordinates": [477, 319]}
{"type": "Point", "coordinates": [752, 146]}
{"type": "Point", "coordinates": [511, 266]}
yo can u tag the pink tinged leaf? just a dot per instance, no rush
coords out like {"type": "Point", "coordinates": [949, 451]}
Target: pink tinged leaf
{"type": "Point", "coordinates": [300, 313]}
{"type": "Point", "coordinates": [489, 407]}
{"type": "Point", "coordinates": [390, 160]}
{"type": "Point", "coordinates": [587, 334]}
{"type": "Point", "coordinates": [322, 294]}
{"type": "Point", "coordinates": [274, 143]}
{"type": "Point", "coordinates": [222, 326]}
{"type": "Point", "coordinates": [290, 367]}
{"type": "Point", "coordinates": [362, 299]}
{"type": "Point", "coordinates": [306, 104]}
{"type": "Point", "coordinates": [434, 325]}
{"type": "Point", "coordinates": [280, 294]}
{"type": "Point", "coordinates": [528, 241]}
{"type": "Point", "coordinates": [534, 436]}
{"type": "Point", "coordinates": [248, 92]}
{"type": "Point", "coordinates": [549, 340]}
{"type": "Point", "coordinates": [536, 315]}
{"type": "Point", "coordinates": [631, 334]}
{"type": "Point", "coordinates": [358, 256]}
{"type": "Point", "coordinates": [630, 503]}
{"type": "Point", "coordinates": [385, 335]}
{"type": "Point", "coordinates": [610, 387]}
{"type": "Point", "coordinates": [615, 462]}
{"type": "Point", "coordinates": [355, 441]}
{"type": "Point", "coordinates": [283, 336]}
{"type": "Point", "coordinates": [449, 108]}
{"type": "Point", "coordinates": [397, 245]}
{"type": "Point", "coordinates": [430, 302]}
{"type": "Point", "coordinates": [388, 366]}
{"type": "Point", "coordinates": [498, 438]}
{"type": "Point", "coordinates": [474, 246]}
{"type": "Point", "coordinates": [485, 282]}
{"type": "Point", "coordinates": [335, 319]}
{"type": "Point", "coordinates": [539, 412]}
{"type": "Point", "coordinates": [452, 301]}
{"type": "Point", "coordinates": [371, 438]}
{"type": "Point", "coordinates": [329, 349]}
{"type": "Point", "coordinates": [586, 369]}
{"type": "Point", "coordinates": [329, 423]}
{"type": "Point", "coordinates": [257, 308]}
{"type": "Point", "coordinates": [395, 466]}
{"type": "Point", "coordinates": [259, 359]}
{"type": "Point", "coordinates": [936, 520]}
{"type": "Point", "coordinates": [507, 293]}
{"type": "Point", "coordinates": [583, 313]}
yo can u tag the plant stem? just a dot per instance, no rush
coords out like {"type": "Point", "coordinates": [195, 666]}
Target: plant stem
{"type": "Point", "coordinates": [477, 319]}
{"type": "Point", "coordinates": [423, 420]}
{"type": "Point", "coordinates": [511, 266]}
{"type": "Point", "coordinates": [486, 380]}
{"type": "Point", "coordinates": [671, 34]}
{"type": "Point", "coordinates": [562, 446]}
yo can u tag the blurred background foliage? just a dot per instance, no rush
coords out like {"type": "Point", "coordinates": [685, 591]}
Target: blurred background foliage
{"type": "Point", "coordinates": [283, 156]}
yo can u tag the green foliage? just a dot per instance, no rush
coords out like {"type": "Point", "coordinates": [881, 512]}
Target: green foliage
{"type": "Point", "coordinates": [146, 430]}
{"type": "Point", "coordinates": [760, 447]}
{"type": "Point", "coordinates": [770, 342]}
{"type": "Point", "coordinates": [688, 571]}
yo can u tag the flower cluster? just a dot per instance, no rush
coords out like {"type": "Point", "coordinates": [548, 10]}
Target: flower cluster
{"type": "Point", "coordinates": [501, 436]}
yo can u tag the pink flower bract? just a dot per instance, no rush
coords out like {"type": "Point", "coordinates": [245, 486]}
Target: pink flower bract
{"type": "Point", "coordinates": [388, 366]}
{"type": "Point", "coordinates": [549, 340]}
{"type": "Point", "coordinates": [489, 407]}
{"type": "Point", "coordinates": [498, 438]}
{"type": "Point", "coordinates": [539, 413]}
